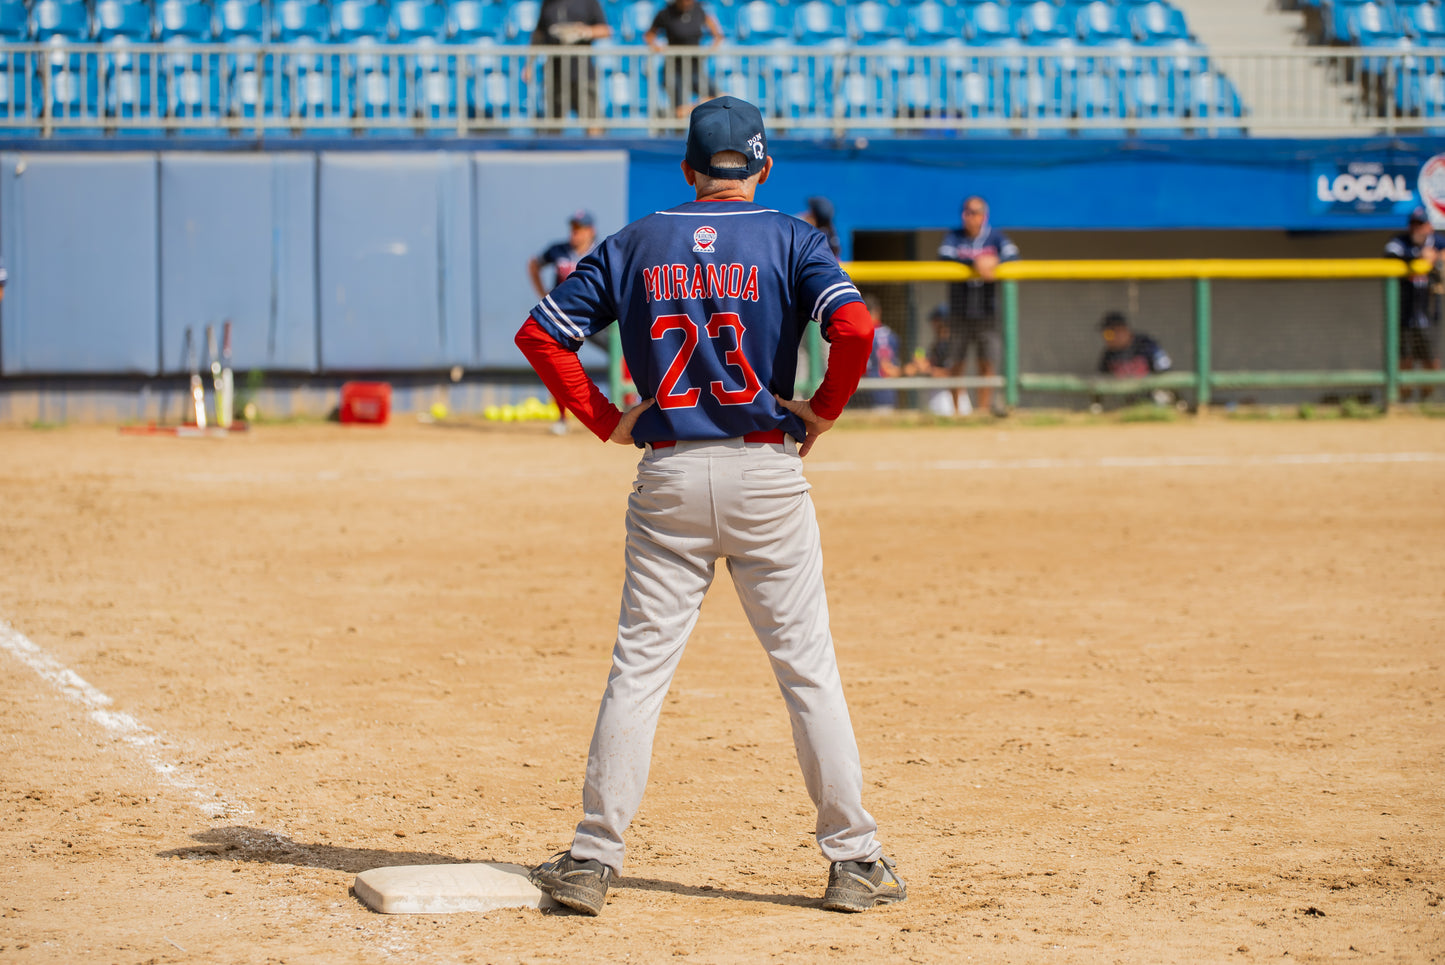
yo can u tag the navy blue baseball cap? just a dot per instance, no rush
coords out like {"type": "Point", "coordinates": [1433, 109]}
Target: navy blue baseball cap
{"type": "Point", "coordinates": [726, 124]}
{"type": "Point", "coordinates": [582, 218]}
{"type": "Point", "coordinates": [1419, 216]}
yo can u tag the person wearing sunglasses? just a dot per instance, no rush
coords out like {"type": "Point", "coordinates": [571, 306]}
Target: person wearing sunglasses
{"type": "Point", "coordinates": [973, 305]}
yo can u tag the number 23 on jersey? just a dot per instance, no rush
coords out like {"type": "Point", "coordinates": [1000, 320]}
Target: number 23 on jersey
{"type": "Point", "coordinates": [723, 328]}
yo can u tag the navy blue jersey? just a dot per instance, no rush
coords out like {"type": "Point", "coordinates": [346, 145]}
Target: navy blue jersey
{"type": "Point", "coordinates": [1142, 356]}
{"type": "Point", "coordinates": [1417, 308]}
{"type": "Point", "coordinates": [712, 299]}
{"type": "Point", "coordinates": [975, 299]}
{"type": "Point", "coordinates": [562, 258]}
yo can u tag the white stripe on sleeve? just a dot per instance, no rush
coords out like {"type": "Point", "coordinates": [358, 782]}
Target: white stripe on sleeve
{"type": "Point", "coordinates": [558, 318]}
{"type": "Point", "coordinates": [829, 296]}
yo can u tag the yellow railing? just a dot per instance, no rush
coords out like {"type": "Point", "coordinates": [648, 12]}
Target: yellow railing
{"type": "Point", "coordinates": [1276, 268]}
{"type": "Point", "coordinates": [1202, 272]}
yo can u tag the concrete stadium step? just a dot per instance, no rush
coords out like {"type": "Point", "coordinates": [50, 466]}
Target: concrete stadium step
{"type": "Point", "coordinates": [1246, 26]}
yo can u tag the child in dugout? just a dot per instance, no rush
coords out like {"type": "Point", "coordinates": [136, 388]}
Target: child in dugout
{"type": "Point", "coordinates": [1131, 355]}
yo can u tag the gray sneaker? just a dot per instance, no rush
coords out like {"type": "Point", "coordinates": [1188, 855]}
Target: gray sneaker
{"type": "Point", "coordinates": [860, 885]}
{"type": "Point", "coordinates": [577, 884]}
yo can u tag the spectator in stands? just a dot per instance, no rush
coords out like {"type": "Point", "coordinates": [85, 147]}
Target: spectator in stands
{"type": "Point", "coordinates": [883, 362]}
{"type": "Point", "coordinates": [972, 305]}
{"type": "Point", "coordinates": [682, 23]}
{"type": "Point", "coordinates": [562, 258]}
{"type": "Point", "coordinates": [820, 216]}
{"type": "Point", "coordinates": [938, 361]}
{"type": "Point", "coordinates": [1419, 295]}
{"type": "Point", "coordinates": [1131, 355]}
{"type": "Point", "coordinates": [571, 80]}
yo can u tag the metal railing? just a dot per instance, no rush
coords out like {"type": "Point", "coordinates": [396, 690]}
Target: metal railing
{"type": "Point", "coordinates": [244, 89]}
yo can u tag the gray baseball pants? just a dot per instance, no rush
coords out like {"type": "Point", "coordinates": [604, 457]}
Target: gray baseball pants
{"type": "Point", "coordinates": [747, 503]}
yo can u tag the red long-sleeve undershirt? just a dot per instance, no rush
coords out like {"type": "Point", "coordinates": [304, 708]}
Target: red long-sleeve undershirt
{"type": "Point", "coordinates": [850, 337]}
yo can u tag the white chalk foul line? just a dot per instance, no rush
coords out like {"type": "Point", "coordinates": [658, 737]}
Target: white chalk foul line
{"type": "Point", "coordinates": [1135, 462]}
{"type": "Point", "coordinates": [121, 726]}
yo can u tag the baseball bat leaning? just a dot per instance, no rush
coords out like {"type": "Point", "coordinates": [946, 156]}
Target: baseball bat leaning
{"type": "Point", "coordinates": [226, 394]}
{"type": "Point", "coordinates": [198, 391]}
{"type": "Point", "coordinates": [213, 362]}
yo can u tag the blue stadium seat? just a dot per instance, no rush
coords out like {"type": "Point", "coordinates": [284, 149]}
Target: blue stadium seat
{"type": "Point", "coordinates": [761, 22]}
{"type": "Point", "coordinates": [311, 82]}
{"type": "Point", "coordinates": [71, 87]}
{"type": "Point", "coordinates": [1424, 23]}
{"type": "Point", "coordinates": [726, 15]}
{"type": "Point", "coordinates": [67, 20]}
{"type": "Point", "coordinates": [1213, 96]}
{"type": "Point", "coordinates": [1041, 22]}
{"type": "Point", "coordinates": [130, 84]}
{"type": "Point", "coordinates": [128, 19]}
{"type": "Point", "coordinates": [1373, 25]}
{"type": "Point", "coordinates": [249, 89]}
{"type": "Point", "coordinates": [621, 96]}
{"type": "Point", "coordinates": [987, 24]}
{"type": "Point", "coordinates": [414, 21]}
{"type": "Point", "coordinates": [294, 21]}
{"type": "Point", "coordinates": [190, 83]}
{"type": "Point", "coordinates": [1156, 23]}
{"type": "Point", "coordinates": [930, 22]}
{"type": "Point", "coordinates": [1044, 92]}
{"type": "Point", "coordinates": [817, 22]}
{"type": "Point", "coordinates": [358, 20]}
{"type": "Point", "coordinates": [496, 95]}
{"type": "Point", "coordinates": [434, 94]}
{"type": "Point", "coordinates": [1423, 96]}
{"type": "Point", "coordinates": [1097, 98]}
{"type": "Point", "coordinates": [177, 20]}
{"type": "Point", "coordinates": [874, 22]}
{"type": "Point", "coordinates": [14, 21]}
{"type": "Point", "coordinates": [471, 20]}
{"type": "Point", "coordinates": [977, 95]}
{"type": "Point", "coordinates": [14, 92]}
{"type": "Point", "coordinates": [1154, 96]}
{"type": "Point", "coordinates": [1100, 23]}
{"type": "Point", "coordinates": [519, 20]}
{"type": "Point", "coordinates": [240, 21]}
{"type": "Point", "coordinates": [634, 19]}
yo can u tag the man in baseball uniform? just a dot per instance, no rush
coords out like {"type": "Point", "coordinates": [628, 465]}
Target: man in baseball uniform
{"type": "Point", "coordinates": [1419, 306]}
{"type": "Point", "coordinates": [712, 298]}
{"type": "Point", "coordinates": [973, 305]}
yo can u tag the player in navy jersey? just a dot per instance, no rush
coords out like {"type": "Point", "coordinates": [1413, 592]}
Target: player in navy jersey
{"type": "Point", "coordinates": [1419, 305]}
{"type": "Point", "coordinates": [561, 258]}
{"type": "Point", "coordinates": [973, 307]}
{"type": "Point", "coordinates": [1129, 354]}
{"type": "Point", "coordinates": [712, 298]}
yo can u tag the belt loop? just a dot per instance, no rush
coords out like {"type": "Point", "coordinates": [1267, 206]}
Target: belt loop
{"type": "Point", "coordinates": [790, 445]}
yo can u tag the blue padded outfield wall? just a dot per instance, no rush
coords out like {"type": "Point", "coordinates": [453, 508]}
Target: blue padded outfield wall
{"type": "Point", "coordinates": [238, 241]}
{"type": "Point", "coordinates": [407, 256]}
{"type": "Point", "coordinates": [330, 261]}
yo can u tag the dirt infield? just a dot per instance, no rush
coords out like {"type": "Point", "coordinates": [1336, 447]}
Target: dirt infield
{"type": "Point", "coordinates": [1137, 693]}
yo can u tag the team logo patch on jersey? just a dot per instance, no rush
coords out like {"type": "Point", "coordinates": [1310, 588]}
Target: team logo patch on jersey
{"type": "Point", "coordinates": [703, 238]}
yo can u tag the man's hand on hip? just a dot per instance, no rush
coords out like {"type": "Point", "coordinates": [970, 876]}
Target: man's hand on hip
{"type": "Point", "coordinates": [623, 433]}
{"type": "Point", "coordinates": [815, 424]}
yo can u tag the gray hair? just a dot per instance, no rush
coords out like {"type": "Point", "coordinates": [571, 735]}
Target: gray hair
{"type": "Point", "coordinates": [707, 184]}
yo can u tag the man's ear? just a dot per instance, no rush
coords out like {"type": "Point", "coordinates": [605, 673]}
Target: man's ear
{"type": "Point", "coordinates": [767, 169]}
{"type": "Point", "coordinates": [688, 173]}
